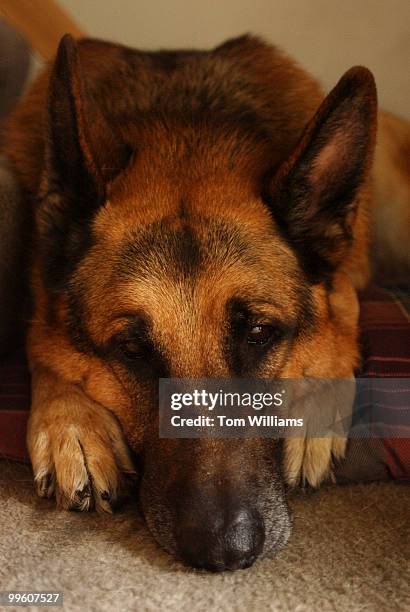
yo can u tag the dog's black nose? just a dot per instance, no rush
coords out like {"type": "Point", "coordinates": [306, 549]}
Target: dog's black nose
{"type": "Point", "coordinates": [218, 543]}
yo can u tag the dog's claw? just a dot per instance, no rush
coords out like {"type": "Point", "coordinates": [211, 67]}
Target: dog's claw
{"type": "Point", "coordinates": [82, 495]}
{"type": "Point", "coordinates": [45, 485]}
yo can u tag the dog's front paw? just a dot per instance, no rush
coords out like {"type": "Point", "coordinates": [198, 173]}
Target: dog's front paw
{"type": "Point", "coordinates": [78, 454]}
{"type": "Point", "coordinates": [310, 460]}
{"type": "Point", "coordinates": [325, 407]}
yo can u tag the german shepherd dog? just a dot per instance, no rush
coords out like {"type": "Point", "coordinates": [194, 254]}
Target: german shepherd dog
{"type": "Point", "coordinates": [194, 214]}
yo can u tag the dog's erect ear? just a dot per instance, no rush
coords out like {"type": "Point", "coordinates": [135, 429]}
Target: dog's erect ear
{"type": "Point", "coordinates": [82, 152]}
{"type": "Point", "coordinates": [313, 195]}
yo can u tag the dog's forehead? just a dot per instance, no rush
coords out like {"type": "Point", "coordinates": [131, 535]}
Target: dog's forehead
{"type": "Point", "coordinates": [182, 246]}
{"type": "Point", "coordinates": [185, 262]}
{"type": "Point", "coordinates": [181, 263]}
{"type": "Point", "coordinates": [180, 271]}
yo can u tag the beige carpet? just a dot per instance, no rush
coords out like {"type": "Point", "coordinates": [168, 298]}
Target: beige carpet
{"type": "Point", "coordinates": [349, 552]}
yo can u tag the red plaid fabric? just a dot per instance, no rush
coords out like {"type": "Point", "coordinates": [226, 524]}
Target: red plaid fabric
{"type": "Point", "coordinates": [385, 341]}
{"type": "Point", "coordinates": [385, 332]}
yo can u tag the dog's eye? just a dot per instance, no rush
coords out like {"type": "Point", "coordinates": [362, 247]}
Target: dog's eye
{"type": "Point", "coordinates": [131, 348]}
{"type": "Point", "coordinates": [260, 334]}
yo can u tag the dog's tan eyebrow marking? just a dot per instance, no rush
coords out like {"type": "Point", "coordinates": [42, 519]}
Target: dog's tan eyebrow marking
{"type": "Point", "coordinates": [127, 315]}
{"type": "Point", "coordinates": [269, 312]}
{"type": "Point", "coordinates": [120, 321]}
{"type": "Point", "coordinates": [264, 304]}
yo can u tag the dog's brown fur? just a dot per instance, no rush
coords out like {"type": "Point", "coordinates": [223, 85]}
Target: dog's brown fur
{"type": "Point", "coordinates": [209, 135]}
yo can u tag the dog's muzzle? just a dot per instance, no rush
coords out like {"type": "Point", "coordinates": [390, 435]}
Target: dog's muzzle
{"type": "Point", "coordinates": [215, 504]}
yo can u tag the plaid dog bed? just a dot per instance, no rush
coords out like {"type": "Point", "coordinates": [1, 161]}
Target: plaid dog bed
{"type": "Point", "coordinates": [385, 348]}
{"type": "Point", "coordinates": [385, 342]}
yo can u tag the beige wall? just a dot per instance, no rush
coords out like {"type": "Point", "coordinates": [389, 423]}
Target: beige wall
{"type": "Point", "coordinates": [326, 36]}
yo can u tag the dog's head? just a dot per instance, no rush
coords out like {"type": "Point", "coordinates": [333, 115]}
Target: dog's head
{"type": "Point", "coordinates": [170, 247]}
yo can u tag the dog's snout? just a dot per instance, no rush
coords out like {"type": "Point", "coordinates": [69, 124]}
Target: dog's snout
{"type": "Point", "coordinates": [212, 504]}
{"type": "Point", "coordinates": [219, 543]}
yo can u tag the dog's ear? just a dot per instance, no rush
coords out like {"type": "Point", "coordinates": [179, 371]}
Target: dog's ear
{"type": "Point", "coordinates": [313, 195]}
{"type": "Point", "coordinates": [82, 153]}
